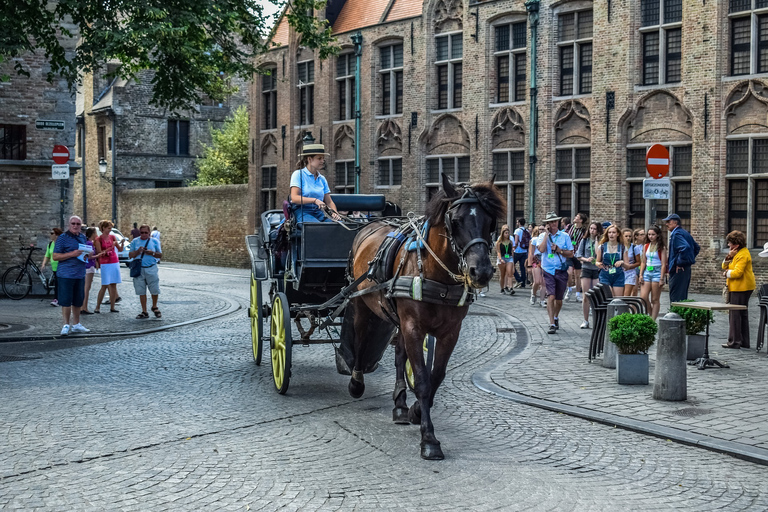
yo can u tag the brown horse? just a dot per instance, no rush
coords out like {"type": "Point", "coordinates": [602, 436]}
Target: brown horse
{"type": "Point", "coordinates": [460, 220]}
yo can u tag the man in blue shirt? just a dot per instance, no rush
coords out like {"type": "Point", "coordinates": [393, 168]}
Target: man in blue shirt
{"type": "Point", "coordinates": [521, 252]}
{"type": "Point", "coordinates": [556, 248]}
{"type": "Point", "coordinates": [147, 249]}
{"type": "Point", "coordinates": [71, 275]}
{"type": "Point", "coordinates": [683, 250]}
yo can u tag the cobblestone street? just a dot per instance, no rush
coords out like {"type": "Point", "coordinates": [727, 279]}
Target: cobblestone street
{"type": "Point", "coordinates": [183, 419]}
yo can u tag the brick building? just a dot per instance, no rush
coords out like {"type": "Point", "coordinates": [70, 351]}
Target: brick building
{"type": "Point", "coordinates": [446, 85]}
{"type": "Point", "coordinates": [137, 144]}
{"type": "Point", "coordinates": [34, 116]}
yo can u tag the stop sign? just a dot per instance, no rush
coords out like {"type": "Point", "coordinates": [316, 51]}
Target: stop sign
{"type": "Point", "coordinates": [657, 161]}
{"type": "Point", "coordinates": [60, 154]}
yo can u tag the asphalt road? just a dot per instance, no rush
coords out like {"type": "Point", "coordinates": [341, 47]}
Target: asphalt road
{"type": "Point", "coordinates": [184, 420]}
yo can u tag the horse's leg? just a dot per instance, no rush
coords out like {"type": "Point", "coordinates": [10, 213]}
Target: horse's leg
{"type": "Point", "coordinates": [357, 381]}
{"type": "Point", "coordinates": [443, 351]}
{"type": "Point", "coordinates": [400, 412]}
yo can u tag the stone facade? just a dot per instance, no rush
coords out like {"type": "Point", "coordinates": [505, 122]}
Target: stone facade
{"type": "Point", "coordinates": [31, 202]}
{"type": "Point", "coordinates": [198, 225]}
{"type": "Point", "coordinates": [143, 157]}
{"type": "Point", "coordinates": [701, 99]}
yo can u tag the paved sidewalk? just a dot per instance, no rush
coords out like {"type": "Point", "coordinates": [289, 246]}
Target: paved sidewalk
{"type": "Point", "coordinates": [725, 410]}
{"type": "Point", "coordinates": [34, 318]}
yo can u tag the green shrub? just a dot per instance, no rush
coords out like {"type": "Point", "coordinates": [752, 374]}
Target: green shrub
{"type": "Point", "coordinates": [695, 319]}
{"type": "Point", "coordinates": [632, 333]}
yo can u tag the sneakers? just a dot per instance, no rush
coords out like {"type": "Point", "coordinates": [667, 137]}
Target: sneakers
{"type": "Point", "coordinates": [533, 300]}
{"type": "Point", "coordinates": [503, 291]}
{"type": "Point", "coordinates": [557, 323]}
{"type": "Point", "coordinates": [584, 325]}
{"type": "Point", "coordinates": [78, 328]}
{"type": "Point", "coordinates": [567, 296]}
{"type": "Point", "coordinates": [55, 302]}
{"type": "Point", "coordinates": [579, 297]}
{"type": "Point", "coordinates": [65, 330]}
{"type": "Point", "coordinates": [518, 285]}
{"type": "Point", "coordinates": [510, 291]}
{"type": "Point", "coordinates": [552, 329]}
{"type": "Point", "coordinates": [543, 303]}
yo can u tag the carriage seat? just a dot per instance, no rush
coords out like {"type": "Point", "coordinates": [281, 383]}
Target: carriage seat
{"type": "Point", "coordinates": [359, 202]}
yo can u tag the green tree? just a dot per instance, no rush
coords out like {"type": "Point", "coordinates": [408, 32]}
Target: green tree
{"type": "Point", "coordinates": [225, 161]}
{"type": "Point", "coordinates": [187, 43]}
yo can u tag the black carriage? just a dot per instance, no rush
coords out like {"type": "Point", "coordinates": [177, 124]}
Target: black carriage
{"type": "Point", "coordinates": [306, 268]}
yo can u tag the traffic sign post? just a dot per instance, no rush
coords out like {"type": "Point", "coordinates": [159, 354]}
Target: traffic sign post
{"type": "Point", "coordinates": [657, 161]}
{"type": "Point", "coordinates": [60, 155]}
{"type": "Point", "coordinates": [60, 172]}
{"type": "Point", "coordinates": [656, 188]}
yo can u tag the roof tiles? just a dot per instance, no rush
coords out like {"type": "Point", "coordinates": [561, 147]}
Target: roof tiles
{"type": "Point", "coordinates": [358, 14]}
{"type": "Point", "coordinates": [281, 33]}
{"type": "Point", "coordinates": [404, 9]}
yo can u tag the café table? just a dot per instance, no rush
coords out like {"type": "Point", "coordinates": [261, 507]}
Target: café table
{"type": "Point", "coordinates": [703, 362]}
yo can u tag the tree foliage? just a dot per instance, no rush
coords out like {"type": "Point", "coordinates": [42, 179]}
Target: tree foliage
{"type": "Point", "coordinates": [225, 161]}
{"type": "Point", "coordinates": [187, 43]}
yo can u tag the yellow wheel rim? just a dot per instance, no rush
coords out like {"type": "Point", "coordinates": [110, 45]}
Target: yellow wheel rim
{"type": "Point", "coordinates": [409, 369]}
{"type": "Point", "coordinates": [278, 343]}
{"type": "Point", "coordinates": [255, 317]}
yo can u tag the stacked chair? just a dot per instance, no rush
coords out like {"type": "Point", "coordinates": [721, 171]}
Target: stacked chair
{"type": "Point", "coordinates": [762, 303]}
{"type": "Point", "coordinates": [599, 297]}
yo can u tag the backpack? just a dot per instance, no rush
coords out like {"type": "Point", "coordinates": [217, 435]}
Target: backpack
{"type": "Point", "coordinates": [525, 238]}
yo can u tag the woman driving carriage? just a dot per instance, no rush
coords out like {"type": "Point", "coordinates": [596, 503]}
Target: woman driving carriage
{"type": "Point", "coordinates": [309, 189]}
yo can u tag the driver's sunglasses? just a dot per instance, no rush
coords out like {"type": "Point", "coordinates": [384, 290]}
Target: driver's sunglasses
{"type": "Point", "coordinates": [144, 232]}
{"type": "Point", "coordinates": [76, 223]}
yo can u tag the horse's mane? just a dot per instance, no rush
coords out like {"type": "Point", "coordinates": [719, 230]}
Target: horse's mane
{"type": "Point", "coordinates": [486, 193]}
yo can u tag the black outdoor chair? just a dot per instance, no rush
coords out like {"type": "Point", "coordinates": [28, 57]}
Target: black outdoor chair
{"type": "Point", "coordinates": [762, 303]}
{"type": "Point", "coordinates": [636, 304]}
{"type": "Point", "coordinates": [599, 313]}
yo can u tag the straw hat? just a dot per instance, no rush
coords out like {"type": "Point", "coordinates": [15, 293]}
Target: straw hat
{"type": "Point", "coordinates": [313, 150]}
{"type": "Point", "coordinates": [551, 216]}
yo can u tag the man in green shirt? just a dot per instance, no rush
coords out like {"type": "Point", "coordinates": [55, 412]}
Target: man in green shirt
{"type": "Point", "coordinates": [55, 232]}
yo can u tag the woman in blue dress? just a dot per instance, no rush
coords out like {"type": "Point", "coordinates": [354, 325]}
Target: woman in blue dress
{"type": "Point", "coordinates": [309, 189]}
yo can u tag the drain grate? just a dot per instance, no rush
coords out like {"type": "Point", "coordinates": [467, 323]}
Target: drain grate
{"type": "Point", "coordinates": [505, 329]}
{"type": "Point", "coordinates": [689, 412]}
{"type": "Point", "coordinates": [12, 359]}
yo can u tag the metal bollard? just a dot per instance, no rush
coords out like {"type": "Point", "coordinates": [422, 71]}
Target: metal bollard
{"type": "Point", "coordinates": [615, 307]}
{"type": "Point", "coordinates": [670, 380]}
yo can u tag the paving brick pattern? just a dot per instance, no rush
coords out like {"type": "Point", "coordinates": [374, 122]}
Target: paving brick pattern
{"type": "Point", "coordinates": [184, 420]}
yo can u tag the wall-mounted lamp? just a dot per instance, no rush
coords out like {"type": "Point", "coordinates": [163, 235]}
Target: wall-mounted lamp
{"type": "Point", "coordinates": [103, 171]}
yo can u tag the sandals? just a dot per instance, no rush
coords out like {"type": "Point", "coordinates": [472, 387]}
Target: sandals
{"type": "Point", "coordinates": [142, 315]}
{"type": "Point", "coordinates": [157, 312]}
{"type": "Point", "coordinates": [114, 311]}
{"type": "Point", "coordinates": [96, 311]}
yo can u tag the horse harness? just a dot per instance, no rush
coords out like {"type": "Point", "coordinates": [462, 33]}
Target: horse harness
{"type": "Point", "coordinates": [412, 232]}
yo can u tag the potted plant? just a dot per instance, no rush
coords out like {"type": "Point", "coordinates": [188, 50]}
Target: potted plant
{"type": "Point", "coordinates": [695, 322]}
{"type": "Point", "coordinates": [633, 334]}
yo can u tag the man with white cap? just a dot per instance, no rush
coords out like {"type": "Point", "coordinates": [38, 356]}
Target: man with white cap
{"type": "Point", "coordinates": [683, 250]}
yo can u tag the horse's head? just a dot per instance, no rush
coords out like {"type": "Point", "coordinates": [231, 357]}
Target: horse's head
{"type": "Point", "coordinates": [470, 214]}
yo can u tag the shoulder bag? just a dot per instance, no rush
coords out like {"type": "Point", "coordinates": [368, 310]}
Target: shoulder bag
{"type": "Point", "coordinates": [136, 263]}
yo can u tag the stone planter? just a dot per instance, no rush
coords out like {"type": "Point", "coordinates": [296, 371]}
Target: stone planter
{"type": "Point", "coordinates": [632, 368]}
{"type": "Point", "coordinates": [695, 346]}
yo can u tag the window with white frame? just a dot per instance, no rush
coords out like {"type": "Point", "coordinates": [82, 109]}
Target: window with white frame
{"type": "Point", "coordinates": [268, 188]}
{"type": "Point", "coordinates": [749, 36]}
{"type": "Point", "coordinates": [456, 167]}
{"type": "Point", "coordinates": [391, 73]}
{"type": "Point", "coordinates": [572, 174]}
{"type": "Point", "coordinates": [306, 88]}
{"type": "Point", "coordinates": [639, 209]}
{"type": "Point", "coordinates": [344, 180]}
{"type": "Point", "coordinates": [509, 168]}
{"type": "Point", "coordinates": [510, 47]}
{"type": "Point", "coordinates": [390, 172]}
{"type": "Point", "coordinates": [662, 41]}
{"type": "Point", "coordinates": [574, 46]}
{"type": "Point", "coordinates": [345, 80]}
{"type": "Point", "coordinates": [449, 50]}
{"type": "Point", "coordinates": [269, 95]}
{"type": "Point", "coordinates": [746, 171]}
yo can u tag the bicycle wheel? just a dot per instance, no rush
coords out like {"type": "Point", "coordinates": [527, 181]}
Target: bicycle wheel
{"type": "Point", "coordinates": [17, 283]}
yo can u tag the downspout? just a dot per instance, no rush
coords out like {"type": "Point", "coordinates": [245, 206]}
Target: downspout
{"type": "Point", "coordinates": [114, 177]}
{"type": "Point", "coordinates": [81, 151]}
{"type": "Point", "coordinates": [357, 39]}
{"type": "Point", "coordinates": [532, 6]}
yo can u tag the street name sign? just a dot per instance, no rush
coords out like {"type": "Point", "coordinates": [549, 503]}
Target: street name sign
{"type": "Point", "coordinates": [656, 188]}
{"type": "Point", "coordinates": [41, 124]}
{"type": "Point", "coordinates": [657, 161]}
{"type": "Point", "coordinates": [60, 172]}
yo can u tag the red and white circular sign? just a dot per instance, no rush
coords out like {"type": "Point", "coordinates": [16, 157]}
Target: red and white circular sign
{"type": "Point", "coordinates": [657, 161]}
{"type": "Point", "coordinates": [60, 154]}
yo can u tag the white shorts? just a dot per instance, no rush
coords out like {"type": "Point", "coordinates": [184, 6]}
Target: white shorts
{"type": "Point", "coordinates": [91, 270]}
{"type": "Point", "coordinates": [110, 273]}
{"type": "Point", "coordinates": [630, 277]}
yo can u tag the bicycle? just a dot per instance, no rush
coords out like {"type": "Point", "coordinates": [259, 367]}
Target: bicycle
{"type": "Point", "coordinates": [17, 280]}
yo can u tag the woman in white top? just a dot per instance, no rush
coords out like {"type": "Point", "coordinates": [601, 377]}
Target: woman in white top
{"type": "Point", "coordinates": [633, 244]}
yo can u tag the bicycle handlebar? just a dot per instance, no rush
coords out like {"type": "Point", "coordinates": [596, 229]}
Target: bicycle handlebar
{"type": "Point", "coordinates": [31, 249]}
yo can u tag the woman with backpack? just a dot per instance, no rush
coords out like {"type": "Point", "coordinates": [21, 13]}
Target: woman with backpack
{"type": "Point", "coordinates": [634, 248]}
{"type": "Point", "coordinates": [587, 255]}
{"type": "Point", "coordinates": [653, 267]}
{"type": "Point", "coordinates": [611, 257]}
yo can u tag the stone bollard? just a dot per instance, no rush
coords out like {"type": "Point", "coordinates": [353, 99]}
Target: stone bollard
{"type": "Point", "coordinates": [670, 381]}
{"type": "Point", "coordinates": [615, 307]}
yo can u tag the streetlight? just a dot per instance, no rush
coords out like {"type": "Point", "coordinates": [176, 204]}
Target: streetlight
{"type": "Point", "coordinates": [103, 171]}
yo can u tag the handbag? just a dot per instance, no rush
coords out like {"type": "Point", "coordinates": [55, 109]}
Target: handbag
{"type": "Point", "coordinates": [726, 295]}
{"type": "Point", "coordinates": [135, 264]}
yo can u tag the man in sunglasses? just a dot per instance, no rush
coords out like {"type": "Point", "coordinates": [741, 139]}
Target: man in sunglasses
{"type": "Point", "coordinates": [71, 276]}
{"type": "Point", "coordinates": [147, 249]}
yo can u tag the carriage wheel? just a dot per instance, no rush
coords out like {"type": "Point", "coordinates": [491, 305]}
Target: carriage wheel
{"type": "Point", "coordinates": [281, 342]}
{"type": "Point", "coordinates": [257, 321]}
{"type": "Point", "coordinates": [429, 345]}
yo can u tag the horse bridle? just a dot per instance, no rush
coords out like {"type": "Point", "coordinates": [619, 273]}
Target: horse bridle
{"type": "Point", "coordinates": [469, 197]}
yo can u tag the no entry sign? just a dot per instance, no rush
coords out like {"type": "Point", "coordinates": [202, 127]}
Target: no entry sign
{"type": "Point", "coordinates": [60, 154]}
{"type": "Point", "coordinates": [657, 161]}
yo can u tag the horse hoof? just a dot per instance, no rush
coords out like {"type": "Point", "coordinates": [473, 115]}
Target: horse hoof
{"type": "Point", "coordinates": [414, 414]}
{"type": "Point", "coordinates": [431, 451]}
{"type": "Point", "coordinates": [356, 388]}
{"type": "Point", "coordinates": [400, 415]}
